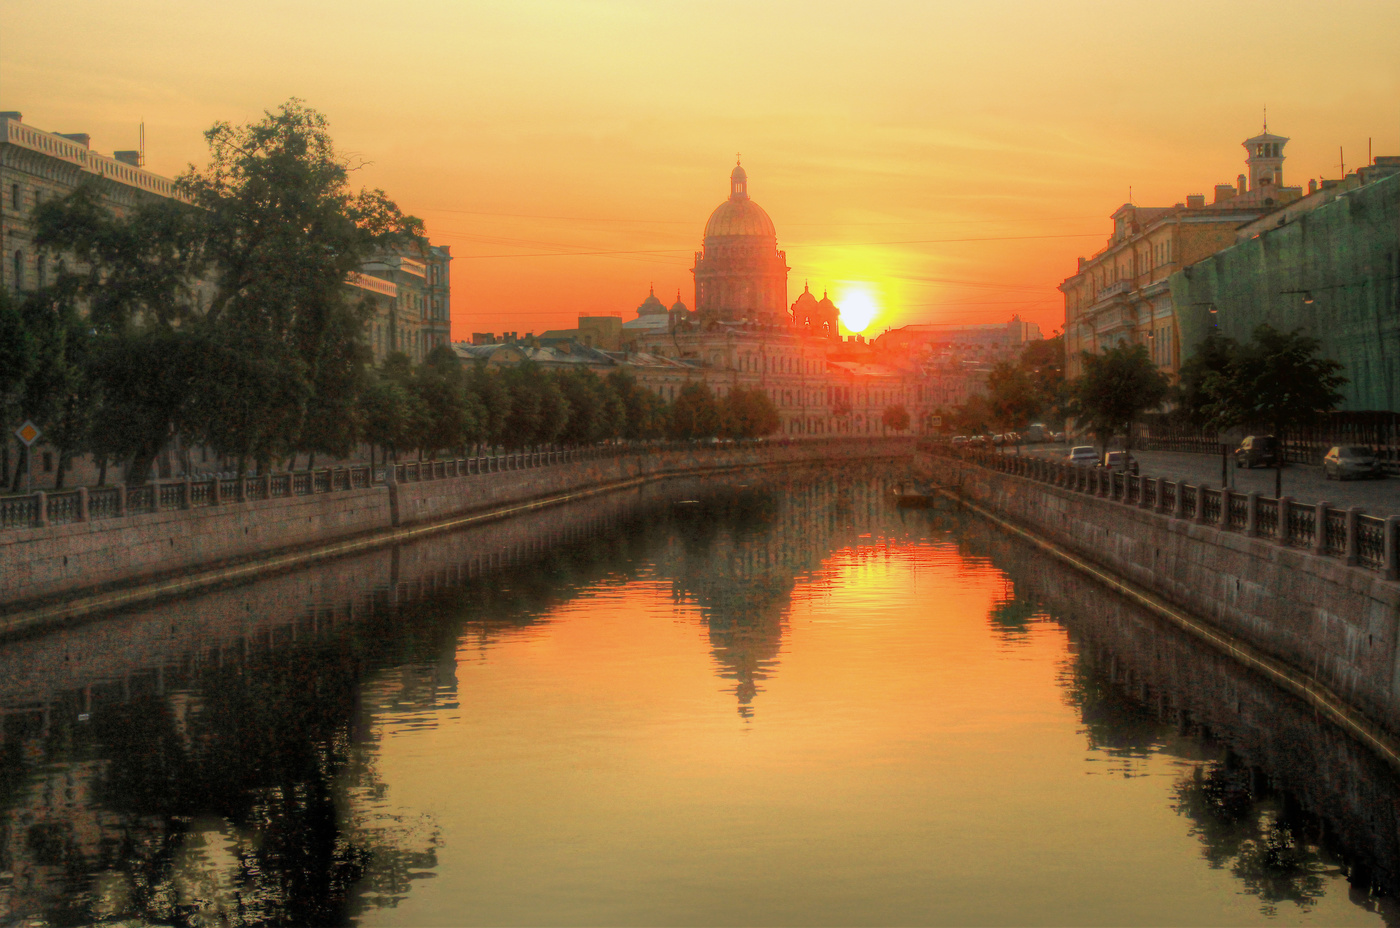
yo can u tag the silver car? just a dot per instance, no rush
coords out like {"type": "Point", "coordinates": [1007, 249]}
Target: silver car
{"type": "Point", "coordinates": [1082, 456]}
{"type": "Point", "coordinates": [1344, 462]}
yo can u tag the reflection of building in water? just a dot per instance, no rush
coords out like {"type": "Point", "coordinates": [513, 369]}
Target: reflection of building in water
{"type": "Point", "coordinates": [1273, 792]}
{"type": "Point", "coordinates": [738, 557]}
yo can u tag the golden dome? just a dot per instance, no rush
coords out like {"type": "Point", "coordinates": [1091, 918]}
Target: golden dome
{"type": "Point", "coordinates": [739, 215]}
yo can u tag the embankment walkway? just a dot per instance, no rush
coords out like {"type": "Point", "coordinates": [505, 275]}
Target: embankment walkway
{"type": "Point", "coordinates": [1306, 594]}
{"type": "Point", "coordinates": [63, 556]}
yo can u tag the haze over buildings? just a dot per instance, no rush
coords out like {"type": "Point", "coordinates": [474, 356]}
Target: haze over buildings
{"type": "Point", "coordinates": [948, 160]}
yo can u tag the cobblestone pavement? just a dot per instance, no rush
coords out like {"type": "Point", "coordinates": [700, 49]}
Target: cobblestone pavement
{"type": "Point", "coordinates": [1300, 481]}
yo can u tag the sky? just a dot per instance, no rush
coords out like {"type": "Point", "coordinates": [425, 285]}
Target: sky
{"type": "Point", "coordinates": [939, 161]}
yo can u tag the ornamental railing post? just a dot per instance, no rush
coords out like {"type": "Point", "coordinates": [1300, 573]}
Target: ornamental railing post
{"type": "Point", "coordinates": [185, 492]}
{"type": "Point", "coordinates": [1353, 552]}
{"type": "Point", "coordinates": [41, 510]}
{"type": "Point", "coordinates": [82, 504]}
{"type": "Point", "coordinates": [1200, 516]}
{"type": "Point", "coordinates": [1178, 503]}
{"type": "Point", "coordinates": [1225, 494]}
{"type": "Point", "coordinates": [1251, 518]}
{"type": "Point", "coordinates": [1285, 503]}
{"type": "Point", "coordinates": [1391, 548]}
{"type": "Point", "coordinates": [216, 491]}
{"type": "Point", "coordinates": [1319, 545]}
{"type": "Point", "coordinates": [121, 498]}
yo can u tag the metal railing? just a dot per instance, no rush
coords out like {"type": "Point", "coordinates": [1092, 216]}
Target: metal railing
{"type": "Point", "coordinates": [43, 509]}
{"type": "Point", "coordinates": [1370, 542]}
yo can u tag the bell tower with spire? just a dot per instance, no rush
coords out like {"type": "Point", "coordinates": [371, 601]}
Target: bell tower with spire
{"type": "Point", "coordinates": [1265, 160]}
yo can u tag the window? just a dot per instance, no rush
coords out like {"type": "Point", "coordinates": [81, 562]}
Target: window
{"type": "Point", "coordinates": [19, 270]}
{"type": "Point", "coordinates": [14, 196]}
{"type": "Point", "coordinates": [48, 462]}
{"type": "Point", "coordinates": [40, 270]}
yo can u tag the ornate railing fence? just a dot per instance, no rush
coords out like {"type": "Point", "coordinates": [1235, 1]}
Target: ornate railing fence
{"type": "Point", "coordinates": [1350, 535]}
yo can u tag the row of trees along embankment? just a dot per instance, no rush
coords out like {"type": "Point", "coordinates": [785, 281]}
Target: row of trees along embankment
{"type": "Point", "coordinates": [221, 319]}
{"type": "Point", "coordinates": [1275, 382]}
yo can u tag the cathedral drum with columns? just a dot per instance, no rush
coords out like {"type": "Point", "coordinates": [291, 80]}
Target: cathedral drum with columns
{"type": "Point", "coordinates": [740, 274]}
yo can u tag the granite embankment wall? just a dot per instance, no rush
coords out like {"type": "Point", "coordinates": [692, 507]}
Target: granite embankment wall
{"type": "Point", "coordinates": [1331, 622]}
{"type": "Point", "coordinates": [48, 562]}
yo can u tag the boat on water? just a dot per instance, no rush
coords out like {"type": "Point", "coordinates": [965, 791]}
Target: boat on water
{"type": "Point", "coordinates": [913, 495]}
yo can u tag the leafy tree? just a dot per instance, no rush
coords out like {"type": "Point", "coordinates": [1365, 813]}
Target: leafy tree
{"type": "Point", "coordinates": [644, 413]}
{"type": "Point", "coordinates": [974, 416]}
{"type": "Point", "coordinates": [895, 417]}
{"type": "Point", "coordinates": [57, 389]}
{"type": "Point", "coordinates": [391, 414]}
{"type": "Point", "coordinates": [1212, 357]}
{"type": "Point", "coordinates": [695, 414]}
{"type": "Point", "coordinates": [1115, 388]}
{"type": "Point", "coordinates": [1014, 398]}
{"type": "Point", "coordinates": [451, 413]}
{"type": "Point", "coordinates": [16, 360]}
{"type": "Point", "coordinates": [493, 398]}
{"type": "Point", "coordinates": [749, 414]}
{"type": "Point", "coordinates": [1276, 381]}
{"type": "Point", "coordinates": [135, 277]}
{"type": "Point", "coordinates": [282, 230]}
{"type": "Point", "coordinates": [596, 411]}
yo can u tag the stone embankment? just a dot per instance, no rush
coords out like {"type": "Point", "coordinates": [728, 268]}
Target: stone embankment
{"type": "Point", "coordinates": [1306, 593]}
{"type": "Point", "coordinates": [85, 551]}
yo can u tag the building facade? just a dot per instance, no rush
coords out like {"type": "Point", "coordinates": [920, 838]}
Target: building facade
{"type": "Point", "coordinates": [1329, 265]}
{"type": "Point", "coordinates": [1121, 295]}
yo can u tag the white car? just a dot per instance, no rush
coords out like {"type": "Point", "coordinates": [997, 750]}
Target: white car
{"type": "Point", "coordinates": [1082, 456]}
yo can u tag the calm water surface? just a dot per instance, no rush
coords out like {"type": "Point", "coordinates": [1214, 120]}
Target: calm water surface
{"type": "Point", "coordinates": [776, 703]}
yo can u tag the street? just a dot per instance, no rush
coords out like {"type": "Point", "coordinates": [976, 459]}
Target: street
{"type": "Point", "coordinates": [1302, 482]}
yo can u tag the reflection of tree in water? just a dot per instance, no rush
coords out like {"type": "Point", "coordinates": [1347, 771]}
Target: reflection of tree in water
{"type": "Point", "coordinates": [1255, 833]}
{"type": "Point", "coordinates": [1114, 723]}
{"type": "Point", "coordinates": [244, 792]}
{"type": "Point", "coordinates": [1012, 615]}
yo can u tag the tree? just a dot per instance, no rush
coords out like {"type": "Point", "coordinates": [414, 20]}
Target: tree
{"type": "Point", "coordinates": [1212, 357]}
{"type": "Point", "coordinates": [1115, 388]}
{"type": "Point", "coordinates": [282, 230]}
{"type": "Point", "coordinates": [749, 414]}
{"type": "Point", "coordinates": [137, 287]}
{"type": "Point", "coordinates": [1276, 381]}
{"type": "Point", "coordinates": [644, 413]}
{"type": "Point", "coordinates": [895, 417]}
{"type": "Point", "coordinates": [493, 398]}
{"type": "Point", "coordinates": [695, 414]}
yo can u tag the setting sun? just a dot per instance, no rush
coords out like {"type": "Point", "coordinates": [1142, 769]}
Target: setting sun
{"type": "Point", "coordinates": [858, 310]}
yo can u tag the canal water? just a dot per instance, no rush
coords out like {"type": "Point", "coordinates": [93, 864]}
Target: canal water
{"type": "Point", "coordinates": [765, 701]}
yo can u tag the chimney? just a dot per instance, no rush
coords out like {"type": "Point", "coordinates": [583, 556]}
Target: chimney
{"type": "Point", "coordinates": [82, 138]}
{"type": "Point", "coordinates": [1242, 184]}
{"type": "Point", "coordinates": [1196, 201]}
{"type": "Point", "coordinates": [1312, 186]}
{"type": "Point", "coordinates": [1224, 192]}
{"type": "Point", "coordinates": [132, 158]}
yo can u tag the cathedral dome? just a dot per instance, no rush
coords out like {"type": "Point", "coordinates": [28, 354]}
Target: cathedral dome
{"type": "Point", "coordinates": [739, 215]}
{"type": "Point", "coordinates": [651, 304]}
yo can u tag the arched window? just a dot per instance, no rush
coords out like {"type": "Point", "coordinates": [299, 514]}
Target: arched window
{"type": "Point", "coordinates": [19, 270]}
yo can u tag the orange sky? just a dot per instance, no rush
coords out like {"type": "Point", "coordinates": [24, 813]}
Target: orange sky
{"type": "Point", "coordinates": [952, 158]}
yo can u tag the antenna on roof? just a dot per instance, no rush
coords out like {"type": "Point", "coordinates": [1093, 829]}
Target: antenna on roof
{"type": "Point", "coordinates": [141, 158]}
{"type": "Point", "coordinates": [1266, 119]}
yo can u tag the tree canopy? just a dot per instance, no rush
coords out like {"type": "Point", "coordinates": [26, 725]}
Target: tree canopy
{"type": "Point", "coordinates": [1116, 387]}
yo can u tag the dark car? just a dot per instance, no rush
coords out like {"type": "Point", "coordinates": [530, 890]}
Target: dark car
{"type": "Point", "coordinates": [1258, 451]}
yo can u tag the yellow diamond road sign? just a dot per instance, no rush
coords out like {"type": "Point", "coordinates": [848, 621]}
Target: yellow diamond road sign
{"type": "Point", "coordinates": [28, 433]}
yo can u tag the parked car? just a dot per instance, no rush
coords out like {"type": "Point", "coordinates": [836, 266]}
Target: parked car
{"type": "Point", "coordinates": [1082, 456]}
{"type": "Point", "coordinates": [1120, 460]}
{"type": "Point", "coordinates": [1258, 450]}
{"type": "Point", "coordinates": [1344, 462]}
{"type": "Point", "coordinates": [1037, 432]}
